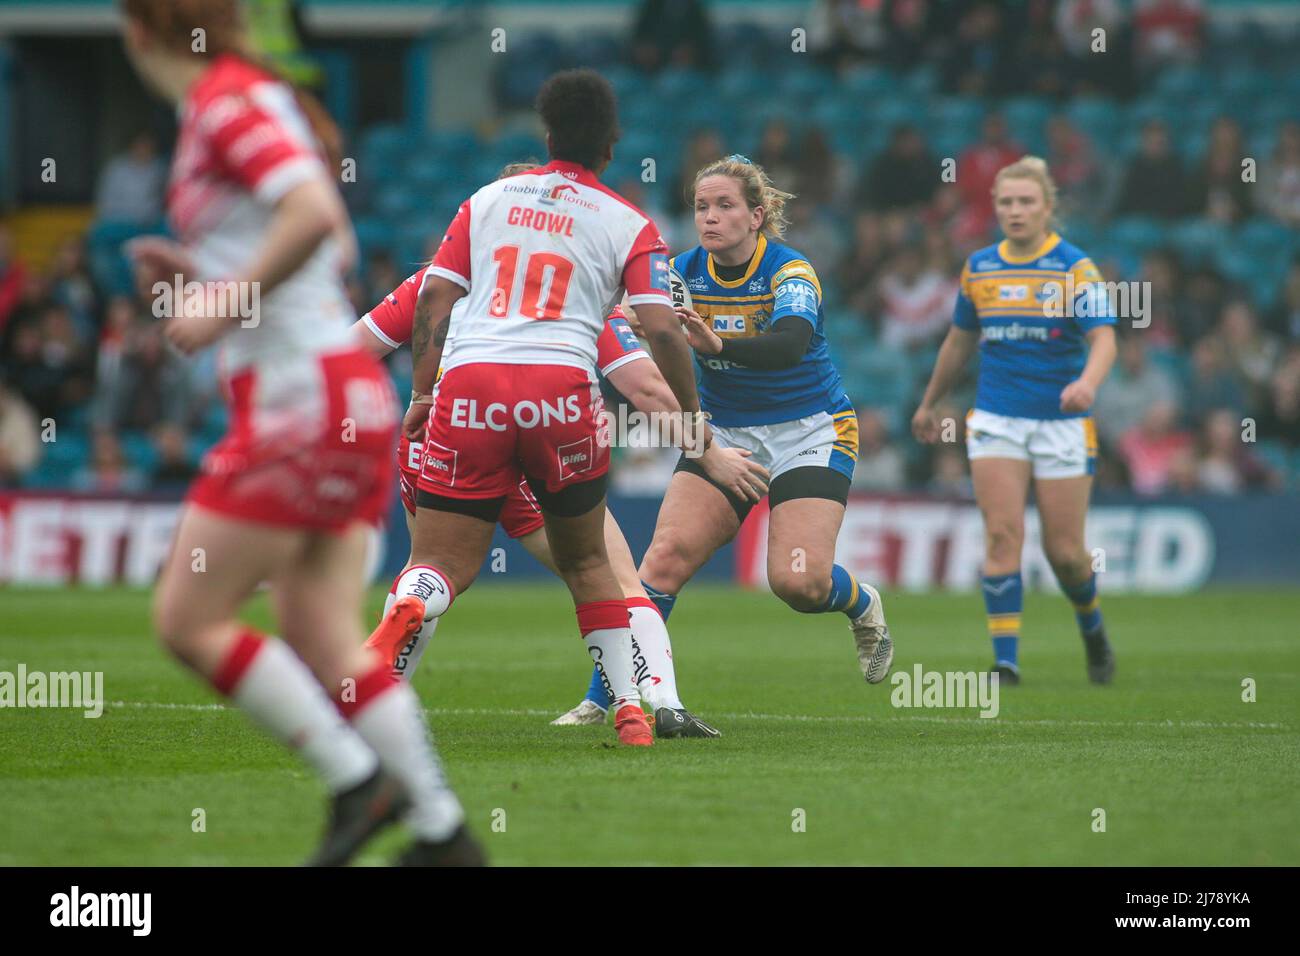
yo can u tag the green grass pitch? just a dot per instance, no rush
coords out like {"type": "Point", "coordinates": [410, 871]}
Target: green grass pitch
{"type": "Point", "coordinates": [1186, 772]}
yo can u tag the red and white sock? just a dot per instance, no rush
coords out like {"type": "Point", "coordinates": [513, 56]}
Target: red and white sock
{"type": "Point", "coordinates": [430, 585]}
{"type": "Point", "coordinates": [386, 713]}
{"type": "Point", "coordinates": [658, 687]}
{"type": "Point", "coordinates": [408, 659]}
{"type": "Point", "coordinates": [271, 684]}
{"type": "Point", "coordinates": [605, 628]}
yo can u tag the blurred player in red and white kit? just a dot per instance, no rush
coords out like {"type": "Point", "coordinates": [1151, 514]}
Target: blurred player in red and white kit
{"type": "Point", "coordinates": [539, 258]}
{"type": "Point", "coordinates": [288, 495]}
{"type": "Point", "coordinates": [386, 328]}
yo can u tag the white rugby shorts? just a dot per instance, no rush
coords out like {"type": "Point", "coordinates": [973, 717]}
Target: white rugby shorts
{"type": "Point", "coordinates": [1058, 447]}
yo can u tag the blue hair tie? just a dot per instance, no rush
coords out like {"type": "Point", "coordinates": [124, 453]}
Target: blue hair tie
{"type": "Point", "coordinates": [740, 158]}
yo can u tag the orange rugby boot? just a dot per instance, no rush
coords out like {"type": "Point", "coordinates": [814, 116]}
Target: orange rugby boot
{"type": "Point", "coordinates": [397, 628]}
{"type": "Point", "coordinates": [632, 727]}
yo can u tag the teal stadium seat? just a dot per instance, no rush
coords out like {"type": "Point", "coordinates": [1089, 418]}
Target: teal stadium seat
{"type": "Point", "coordinates": [1276, 456]}
{"type": "Point", "coordinates": [1098, 119]}
{"type": "Point", "coordinates": [680, 85]}
{"type": "Point", "coordinates": [866, 84]}
{"type": "Point", "coordinates": [598, 49]}
{"type": "Point", "coordinates": [106, 253]}
{"type": "Point", "coordinates": [743, 86]}
{"type": "Point", "coordinates": [1027, 117]}
{"type": "Point", "coordinates": [1136, 234]}
{"type": "Point", "coordinates": [922, 80]}
{"type": "Point", "coordinates": [1081, 233]}
{"type": "Point", "coordinates": [807, 85]}
{"type": "Point", "coordinates": [373, 233]}
{"type": "Point", "coordinates": [139, 450]}
{"type": "Point", "coordinates": [1196, 240]}
{"type": "Point", "coordinates": [454, 147]}
{"type": "Point", "coordinates": [1187, 82]}
{"type": "Point", "coordinates": [959, 116]}
{"type": "Point", "coordinates": [1267, 238]}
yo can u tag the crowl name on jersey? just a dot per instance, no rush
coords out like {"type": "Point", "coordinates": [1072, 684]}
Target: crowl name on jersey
{"type": "Point", "coordinates": [543, 256]}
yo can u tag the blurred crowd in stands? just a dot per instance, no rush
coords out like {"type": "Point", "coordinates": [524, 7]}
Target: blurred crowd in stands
{"type": "Point", "coordinates": [1205, 398]}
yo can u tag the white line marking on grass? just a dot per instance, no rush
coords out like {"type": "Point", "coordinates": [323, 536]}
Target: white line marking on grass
{"type": "Point", "coordinates": [798, 718]}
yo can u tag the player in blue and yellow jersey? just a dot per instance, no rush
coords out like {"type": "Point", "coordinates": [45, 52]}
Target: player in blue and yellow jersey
{"type": "Point", "coordinates": [1037, 309]}
{"type": "Point", "coordinates": [769, 387]}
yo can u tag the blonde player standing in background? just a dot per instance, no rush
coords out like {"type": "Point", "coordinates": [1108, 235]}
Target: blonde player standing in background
{"type": "Point", "coordinates": [1034, 305]}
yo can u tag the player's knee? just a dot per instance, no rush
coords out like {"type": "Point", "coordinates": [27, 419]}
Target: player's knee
{"type": "Point", "coordinates": [667, 563]}
{"type": "Point", "coordinates": [804, 592]}
{"type": "Point", "coordinates": [1068, 559]}
{"type": "Point", "coordinates": [1004, 541]}
{"type": "Point", "coordinates": [576, 563]}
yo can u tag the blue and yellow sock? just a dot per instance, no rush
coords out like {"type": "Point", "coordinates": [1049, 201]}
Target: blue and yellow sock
{"type": "Point", "coordinates": [1087, 605]}
{"type": "Point", "coordinates": [660, 599]}
{"type": "Point", "coordinates": [664, 602]}
{"type": "Point", "coordinates": [846, 595]}
{"type": "Point", "coordinates": [1004, 599]}
{"type": "Point", "coordinates": [596, 692]}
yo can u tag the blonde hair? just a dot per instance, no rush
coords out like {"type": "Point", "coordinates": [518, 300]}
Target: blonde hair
{"type": "Point", "coordinates": [514, 169]}
{"type": "Point", "coordinates": [755, 187]}
{"type": "Point", "coordinates": [1035, 168]}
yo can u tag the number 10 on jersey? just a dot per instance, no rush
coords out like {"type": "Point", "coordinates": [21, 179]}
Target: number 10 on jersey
{"type": "Point", "coordinates": [546, 283]}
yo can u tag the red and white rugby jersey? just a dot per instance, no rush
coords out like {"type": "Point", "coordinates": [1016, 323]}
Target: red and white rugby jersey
{"type": "Point", "coordinates": [243, 144]}
{"type": "Point", "coordinates": [544, 255]}
{"type": "Point", "coordinates": [391, 322]}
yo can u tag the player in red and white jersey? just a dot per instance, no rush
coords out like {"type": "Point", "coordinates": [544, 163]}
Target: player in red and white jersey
{"type": "Point", "coordinates": [386, 328]}
{"type": "Point", "coordinates": [540, 258]}
{"type": "Point", "coordinates": [288, 494]}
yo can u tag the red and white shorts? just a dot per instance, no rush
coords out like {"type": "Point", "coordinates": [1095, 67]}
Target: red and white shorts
{"type": "Point", "coordinates": [520, 516]}
{"type": "Point", "coordinates": [310, 447]}
{"type": "Point", "coordinates": [491, 425]}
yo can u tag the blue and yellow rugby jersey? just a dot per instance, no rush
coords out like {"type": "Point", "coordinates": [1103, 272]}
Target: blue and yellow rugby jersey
{"type": "Point", "coordinates": [778, 282]}
{"type": "Point", "coordinates": [1032, 314]}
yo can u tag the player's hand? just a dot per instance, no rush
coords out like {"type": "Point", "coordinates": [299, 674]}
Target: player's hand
{"type": "Point", "coordinates": [732, 469]}
{"type": "Point", "coordinates": [925, 425]}
{"type": "Point", "coordinates": [1078, 396]}
{"type": "Point", "coordinates": [157, 259]}
{"type": "Point", "coordinates": [417, 416]}
{"type": "Point", "coordinates": [193, 332]}
{"type": "Point", "coordinates": [702, 338]}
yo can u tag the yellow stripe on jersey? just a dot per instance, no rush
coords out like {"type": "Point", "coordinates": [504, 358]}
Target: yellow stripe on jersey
{"type": "Point", "coordinates": [754, 261]}
{"type": "Point", "coordinates": [729, 299]}
{"type": "Point", "coordinates": [797, 269]}
{"type": "Point", "coordinates": [724, 317]}
{"type": "Point", "coordinates": [1085, 271]}
{"type": "Point", "coordinates": [1049, 242]}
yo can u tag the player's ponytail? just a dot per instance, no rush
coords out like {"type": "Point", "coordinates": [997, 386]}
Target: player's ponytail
{"type": "Point", "coordinates": [178, 25]}
{"type": "Point", "coordinates": [1035, 168]}
{"type": "Point", "coordinates": [757, 188]}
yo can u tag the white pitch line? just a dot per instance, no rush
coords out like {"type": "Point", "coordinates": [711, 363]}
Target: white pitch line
{"type": "Point", "coordinates": [799, 718]}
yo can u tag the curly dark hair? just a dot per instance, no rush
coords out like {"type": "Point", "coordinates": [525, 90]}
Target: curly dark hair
{"type": "Point", "coordinates": [581, 114]}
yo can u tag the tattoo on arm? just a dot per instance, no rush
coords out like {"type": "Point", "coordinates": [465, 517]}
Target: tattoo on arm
{"type": "Point", "coordinates": [420, 328]}
{"type": "Point", "coordinates": [440, 333]}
